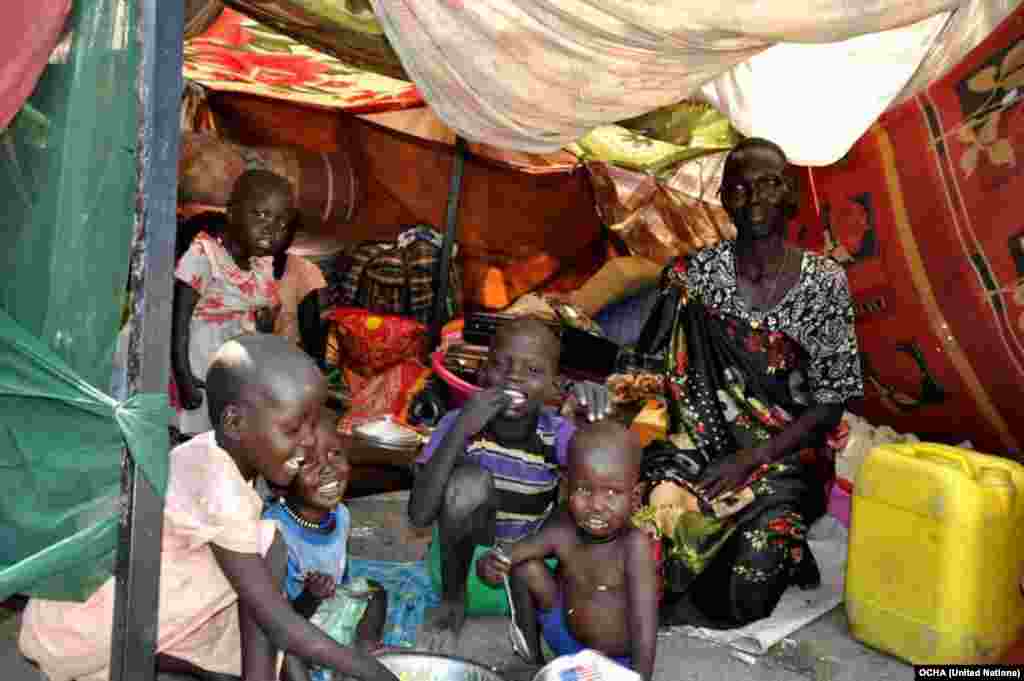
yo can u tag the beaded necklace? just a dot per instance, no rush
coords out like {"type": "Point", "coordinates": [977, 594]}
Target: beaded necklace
{"type": "Point", "coordinates": [325, 526]}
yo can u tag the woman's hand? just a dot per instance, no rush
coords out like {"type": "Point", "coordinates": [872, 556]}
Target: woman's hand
{"type": "Point", "coordinates": [320, 586]}
{"type": "Point", "coordinates": [730, 473]}
{"type": "Point", "coordinates": [590, 399]}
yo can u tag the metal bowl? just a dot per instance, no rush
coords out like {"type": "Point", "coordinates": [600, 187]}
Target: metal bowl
{"type": "Point", "coordinates": [418, 666]}
{"type": "Point", "coordinates": [386, 433]}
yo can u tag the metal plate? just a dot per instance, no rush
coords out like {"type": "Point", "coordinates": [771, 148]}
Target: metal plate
{"type": "Point", "coordinates": [387, 433]}
{"type": "Point", "coordinates": [417, 666]}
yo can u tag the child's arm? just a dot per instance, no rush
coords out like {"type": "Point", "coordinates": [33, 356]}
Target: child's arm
{"type": "Point", "coordinates": [642, 596]}
{"type": "Point", "coordinates": [185, 300]}
{"type": "Point", "coordinates": [546, 541]}
{"type": "Point", "coordinates": [312, 331]}
{"type": "Point", "coordinates": [431, 480]}
{"type": "Point", "coordinates": [261, 599]}
{"type": "Point", "coordinates": [317, 588]}
{"type": "Point", "coordinates": [559, 532]}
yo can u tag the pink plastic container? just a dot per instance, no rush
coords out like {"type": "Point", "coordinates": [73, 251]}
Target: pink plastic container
{"type": "Point", "coordinates": [839, 502]}
{"type": "Point", "coordinates": [461, 390]}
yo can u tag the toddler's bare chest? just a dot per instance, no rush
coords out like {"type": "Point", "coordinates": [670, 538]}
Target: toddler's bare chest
{"type": "Point", "coordinates": [595, 568]}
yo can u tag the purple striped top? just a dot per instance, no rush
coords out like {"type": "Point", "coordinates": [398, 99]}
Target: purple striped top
{"type": "Point", "coordinates": [526, 477]}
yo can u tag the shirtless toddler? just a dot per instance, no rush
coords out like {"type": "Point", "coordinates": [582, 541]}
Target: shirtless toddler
{"type": "Point", "coordinates": [603, 595]}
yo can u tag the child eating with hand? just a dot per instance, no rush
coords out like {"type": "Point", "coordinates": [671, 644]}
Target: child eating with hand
{"type": "Point", "coordinates": [222, 614]}
{"type": "Point", "coordinates": [315, 525]}
{"type": "Point", "coordinates": [491, 469]}
{"type": "Point", "coordinates": [604, 595]}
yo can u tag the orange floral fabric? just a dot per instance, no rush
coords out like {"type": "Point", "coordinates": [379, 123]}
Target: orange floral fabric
{"type": "Point", "coordinates": [367, 343]}
{"type": "Point", "coordinates": [239, 54]}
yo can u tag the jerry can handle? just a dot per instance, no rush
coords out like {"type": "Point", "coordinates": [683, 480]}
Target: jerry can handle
{"type": "Point", "coordinates": [946, 456]}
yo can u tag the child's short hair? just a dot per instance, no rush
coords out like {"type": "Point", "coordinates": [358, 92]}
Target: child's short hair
{"type": "Point", "coordinates": [224, 386]}
{"type": "Point", "coordinates": [531, 326]}
{"type": "Point", "coordinates": [250, 360]}
{"type": "Point", "coordinates": [604, 433]}
{"type": "Point", "coordinates": [259, 182]}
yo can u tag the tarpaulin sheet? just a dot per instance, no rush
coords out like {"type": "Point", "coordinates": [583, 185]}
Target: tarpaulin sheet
{"type": "Point", "coordinates": [535, 75]}
{"type": "Point", "coordinates": [840, 91]}
{"type": "Point", "coordinates": [60, 464]}
{"type": "Point", "coordinates": [68, 172]}
{"type": "Point", "coordinates": [843, 87]}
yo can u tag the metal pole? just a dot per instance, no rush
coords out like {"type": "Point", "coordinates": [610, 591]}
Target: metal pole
{"type": "Point", "coordinates": [159, 87]}
{"type": "Point", "coordinates": [451, 233]}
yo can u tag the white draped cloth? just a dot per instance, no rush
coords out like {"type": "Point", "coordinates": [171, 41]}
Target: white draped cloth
{"type": "Point", "coordinates": [535, 75]}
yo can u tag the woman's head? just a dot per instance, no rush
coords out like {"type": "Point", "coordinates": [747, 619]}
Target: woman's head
{"type": "Point", "coordinates": [260, 214]}
{"type": "Point", "coordinates": [757, 191]}
{"type": "Point", "coordinates": [523, 359]}
{"type": "Point", "coordinates": [264, 398]}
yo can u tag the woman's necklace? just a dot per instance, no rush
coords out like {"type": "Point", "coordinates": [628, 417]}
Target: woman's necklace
{"type": "Point", "coordinates": [308, 524]}
{"type": "Point", "coordinates": [769, 298]}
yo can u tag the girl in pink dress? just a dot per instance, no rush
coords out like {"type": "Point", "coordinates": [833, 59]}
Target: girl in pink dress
{"type": "Point", "coordinates": [225, 286]}
{"type": "Point", "coordinates": [221, 609]}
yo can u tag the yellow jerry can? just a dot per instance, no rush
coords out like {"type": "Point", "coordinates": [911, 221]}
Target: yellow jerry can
{"type": "Point", "coordinates": [936, 554]}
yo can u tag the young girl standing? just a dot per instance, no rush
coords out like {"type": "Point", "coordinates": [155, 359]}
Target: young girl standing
{"type": "Point", "coordinates": [225, 287]}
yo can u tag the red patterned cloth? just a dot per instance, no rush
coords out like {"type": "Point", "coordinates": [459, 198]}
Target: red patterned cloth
{"type": "Point", "coordinates": [367, 343]}
{"type": "Point", "coordinates": [924, 215]}
{"type": "Point", "coordinates": [239, 54]}
{"type": "Point", "coordinates": [389, 393]}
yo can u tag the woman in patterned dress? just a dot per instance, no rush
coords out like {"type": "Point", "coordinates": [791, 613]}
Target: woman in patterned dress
{"type": "Point", "coordinates": [760, 359]}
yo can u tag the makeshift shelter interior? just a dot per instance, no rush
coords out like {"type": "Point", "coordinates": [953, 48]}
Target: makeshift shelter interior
{"type": "Point", "coordinates": [567, 207]}
{"type": "Point", "coordinates": [936, 340]}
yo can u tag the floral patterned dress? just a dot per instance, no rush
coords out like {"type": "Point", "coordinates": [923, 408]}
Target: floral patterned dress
{"type": "Point", "coordinates": [735, 378]}
{"type": "Point", "coordinates": [229, 299]}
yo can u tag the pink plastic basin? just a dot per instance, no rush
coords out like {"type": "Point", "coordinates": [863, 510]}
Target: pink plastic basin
{"type": "Point", "coordinates": [461, 390]}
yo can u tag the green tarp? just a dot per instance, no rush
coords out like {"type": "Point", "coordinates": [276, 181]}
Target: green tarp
{"type": "Point", "coordinates": [68, 173]}
{"type": "Point", "coordinates": [60, 456]}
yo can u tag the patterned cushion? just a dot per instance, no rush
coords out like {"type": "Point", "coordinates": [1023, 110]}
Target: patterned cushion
{"type": "Point", "coordinates": [368, 343]}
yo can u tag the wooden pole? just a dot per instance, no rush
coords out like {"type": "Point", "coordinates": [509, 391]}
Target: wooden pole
{"type": "Point", "coordinates": [437, 317]}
